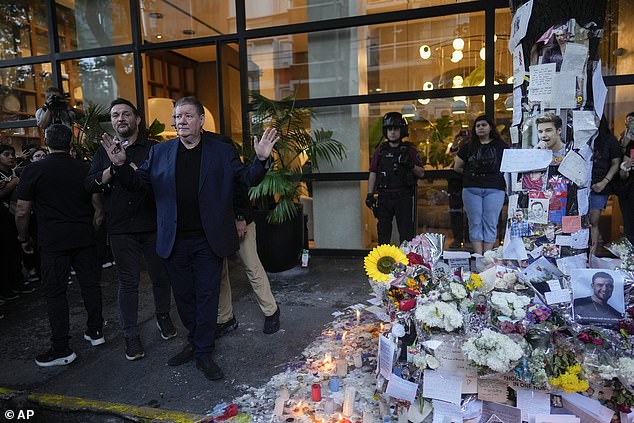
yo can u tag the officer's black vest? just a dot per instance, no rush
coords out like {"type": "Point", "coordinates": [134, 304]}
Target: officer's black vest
{"type": "Point", "coordinates": [391, 176]}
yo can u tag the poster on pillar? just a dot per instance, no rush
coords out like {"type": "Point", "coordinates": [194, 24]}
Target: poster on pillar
{"type": "Point", "coordinates": [560, 52]}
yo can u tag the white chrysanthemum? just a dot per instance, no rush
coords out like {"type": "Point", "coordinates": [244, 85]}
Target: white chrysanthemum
{"type": "Point", "coordinates": [446, 296]}
{"type": "Point", "coordinates": [439, 315]}
{"type": "Point", "coordinates": [458, 291]}
{"type": "Point", "coordinates": [493, 350]}
{"type": "Point", "coordinates": [626, 368]}
{"type": "Point", "coordinates": [510, 304]}
{"type": "Point", "coordinates": [419, 360]}
{"type": "Point", "coordinates": [398, 330]}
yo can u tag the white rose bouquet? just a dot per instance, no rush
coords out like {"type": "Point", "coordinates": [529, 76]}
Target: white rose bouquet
{"type": "Point", "coordinates": [510, 304]}
{"type": "Point", "coordinates": [439, 314]}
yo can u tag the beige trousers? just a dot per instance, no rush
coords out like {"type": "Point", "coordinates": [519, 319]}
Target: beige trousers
{"type": "Point", "coordinates": [255, 273]}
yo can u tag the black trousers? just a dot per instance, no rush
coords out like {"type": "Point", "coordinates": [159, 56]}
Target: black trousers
{"type": "Point", "coordinates": [627, 210]}
{"type": "Point", "coordinates": [128, 249]}
{"type": "Point", "coordinates": [10, 253]}
{"type": "Point", "coordinates": [55, 270]}
{"type": "Point", "coordinates": [395, 204]}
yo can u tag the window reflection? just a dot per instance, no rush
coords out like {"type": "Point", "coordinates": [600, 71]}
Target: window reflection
{"type": "Point", "coordinates": [427, 54]}
{"type": "Point", "coordinates": [23, 31]}
{"type": "Point", "coordinates": [22, 90]}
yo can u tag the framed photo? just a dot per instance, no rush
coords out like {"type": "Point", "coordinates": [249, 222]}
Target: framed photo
{"type": "Point", "coordinates": [598, 296]}
{"type": "Point", "coordinates": [538, 210]}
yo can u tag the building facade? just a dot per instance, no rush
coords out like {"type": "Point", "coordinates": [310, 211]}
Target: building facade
{"type": "Point", "coordinates": [439, 62]}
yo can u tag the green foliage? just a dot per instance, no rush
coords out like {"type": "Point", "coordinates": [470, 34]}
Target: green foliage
{"type": "Point", "coordinates": [155, 129]}
{"type": "Point", "coordinates": [281, 187]}
{"type": "Point", "coordinates": [87, 137]}
{"type": "Point", "coordinates": [438, 134]}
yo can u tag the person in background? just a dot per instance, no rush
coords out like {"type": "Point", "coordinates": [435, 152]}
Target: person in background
{"type": "Point", "coordinates": [483, 184]}
{"type": "Point", "coordinates": [131, 224]}
{"type": "Point", "coordinates": [56, 109]}
{"type": "Point", "coordinates": [248, 252]}
{"type": "Point", "coordinates": [628, 133]}
{"type": "Point", "coordinates": [394, 168]}
{"type": "Point", "coordinates": [606, 158]}
{"type": "Point", "coordinates": [54, 188]}
{"type": "Point", "coordinates": [626, 190]}
{"type": "Point", "coordinates": [192, 180]}
{"type": "Point", "coordinates": [454, 190]}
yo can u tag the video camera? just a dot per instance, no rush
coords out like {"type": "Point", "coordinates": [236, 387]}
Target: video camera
{"type": "Point", "coordinates": [58, 102]}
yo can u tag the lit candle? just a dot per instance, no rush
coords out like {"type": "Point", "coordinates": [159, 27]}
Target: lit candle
{"type": "Point", "coordinates": [343, 337]}
{"type": "Point", "coordinates": [358, 359]}
{"type": "Point", "coordinates": [358, 317]}
{"type": "Point", "coordinates": [279, 406]}
{"type": "Point", "coordinates": [298, 409]}
{"type": "Point", "coordinates": [382, 326]}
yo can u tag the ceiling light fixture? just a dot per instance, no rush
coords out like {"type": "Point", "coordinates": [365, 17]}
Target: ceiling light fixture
{"type": "Point", "coordinates": [428, 86]}
{"type": "Point", "coordinates": [159, 36]}
{"type": "Point", "coordinates": [458, 44]}
{"type": "Point", "coordinates": [457, 81]}
{"type": "Point", "coordinates": [456, 56]}
{"type": "Point", "coordinates": [424, 51]}
{"type": "Point", "coordinates": [459, 107]}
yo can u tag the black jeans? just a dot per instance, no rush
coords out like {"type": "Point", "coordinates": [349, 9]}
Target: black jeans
{"type": "Point", "coordinates": [627, 210]}
{"type": "Point", "coordinates": [399, 204]}
{"type": "Point", "coordinates": [195, 271]}
{"type": "Point", "coordinates": [9, 254]}
{"type": "Point", "coordinates": [127, 250]}
{"type": "Point", "coordinates": [55, 269]}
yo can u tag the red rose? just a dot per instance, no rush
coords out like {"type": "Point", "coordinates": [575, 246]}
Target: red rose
{"type": "Point", "coordinates": [584, 337]}
{"type": "Point", "coordinates": [597, 341]}
{"type": "Point", "coordinates": [405, 305]}
{"type": "Point", "coordinates": [415, 258]}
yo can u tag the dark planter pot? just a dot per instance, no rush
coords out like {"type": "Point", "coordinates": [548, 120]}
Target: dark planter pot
{"type": "Point", "coordinates": [280, 246]}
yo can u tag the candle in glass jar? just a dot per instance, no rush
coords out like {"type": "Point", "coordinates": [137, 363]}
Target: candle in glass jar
{"type": "Point", "coordinates": [358, 359]}
{"type": "Point", "coordinates": [316, 392]}
{"type": "Point", "coordinates": [342, 367]}
{"type": "Point", "coordinates": [348, 400]}
{"type": "Point", "coordinates": [329, 406]}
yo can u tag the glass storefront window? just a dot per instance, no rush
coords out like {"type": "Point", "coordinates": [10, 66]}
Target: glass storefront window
{"type": "Point", "coordinates": [21, 137]}
{"type": "Point", "coordinates": [426, 54]}
{"type": "Point", "coordinates": [177, 20]}
{"type": "Point", "coordinates": [23, 31]}
{"type": "Point", "coordinates": [84, 24]}
{"type": "Point", "coordinates": [22, 90]}
{"type": "Point", "coordinates": [264, 13]}
{"type": "Point", "coordinates": [617, 44]}
{"type": "Point", "coordinates": [98, 80]}
{"type": "Point", "coordinates": [503, 59]}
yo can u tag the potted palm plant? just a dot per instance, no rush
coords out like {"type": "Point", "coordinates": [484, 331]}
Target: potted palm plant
{"type": "Point", "coordinates": [279, 216]}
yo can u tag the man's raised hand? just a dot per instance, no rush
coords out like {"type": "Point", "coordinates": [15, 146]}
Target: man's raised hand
{"type": "Point", "coordinates": [264, 147]}
{"type": "Point", "coordinates": [116, 153]}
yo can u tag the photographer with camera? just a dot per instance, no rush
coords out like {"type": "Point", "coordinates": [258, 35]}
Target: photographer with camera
{"type": "Point", "coordinates": [56, 109]}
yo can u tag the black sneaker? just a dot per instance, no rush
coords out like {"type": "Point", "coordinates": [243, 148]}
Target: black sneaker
{"type": "Point", "coordinates": [95, 337]}
{"type": "Point", "coordinates": [272, 322]}
{"type": "Point", "coordinates": [165, 326]}
{"type": "Point", "coordinates": [51, 358]}
{"type": "Point", "coordinates": [224, 328]}
{"type": "Point", "coordinates": [209, 368]}
{"type": "Point", "coordinates": [185, 356]}
{"type": "Point", "coordinates": [134, 349]}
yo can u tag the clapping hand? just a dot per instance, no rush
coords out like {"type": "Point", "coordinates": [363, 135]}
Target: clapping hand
{"type": "Point", "coordinates": [113, 148]}
{"type": "Point", "coordinates": [264, 147]}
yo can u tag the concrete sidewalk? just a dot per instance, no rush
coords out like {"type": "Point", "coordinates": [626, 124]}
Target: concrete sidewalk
{"type": "Point", "coordinates": [102, 379]}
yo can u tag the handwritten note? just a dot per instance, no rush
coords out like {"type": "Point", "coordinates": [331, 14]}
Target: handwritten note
{"type": "Point", "coordinates": [401, 389]}
{"type": "Point", "coordinates": [568, 264]}
{"type": "Point", "coordinates": [519, 66]}
{"type": "Point", "coordinates": [584, 126]}
{"type": "Point", "coordinates": [532, 403]}
{"type": "Point", "coordinates": [563, 91]}
{"type": "Point", "coordinates": [525, 160]}
{"type": "Point", "coordinates": [563, 240]}
{"type": "Point", "coordinates": [445, 412]}
{"type": "Point", "coordinates": [554, 285]}
{"type": "Point", "coordinates": [579, 240]}
{"type": "Point", "coordinates": [573, 167]}
{"type": "Point", "coordinates": [386, 356]}
{"type": "Point", "coordinates": [541, 82]}
{"type": "Point", "coordinates": [570, 224]}
{"type": "Point", "coordinates": [575, 57]}
{"type": "Point", "coordinates": [452, 360]}
{"type": "Point", "coordinates": [442, 385]}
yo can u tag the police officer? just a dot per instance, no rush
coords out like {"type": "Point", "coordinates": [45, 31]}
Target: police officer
{"type": "Point", "coordinates": [394, 168]}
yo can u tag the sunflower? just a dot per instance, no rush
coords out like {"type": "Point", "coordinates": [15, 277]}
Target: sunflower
{"type": "Point", "coordinates": [380, 262]}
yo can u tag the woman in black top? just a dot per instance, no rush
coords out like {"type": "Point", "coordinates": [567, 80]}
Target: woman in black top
{"type": "Point", "coordinates": [483, 184]}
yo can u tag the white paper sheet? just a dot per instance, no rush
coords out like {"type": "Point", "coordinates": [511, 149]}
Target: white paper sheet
{"type": "Point", "coordinates": [583, 200]}
{"type": "Point", "coordinates": [539, 269]}
{"type": "Point", "coordinates": [584, 126]}
{"type": "Point", "coordinates": [525, 160]}
{"type": "Point", "coordinates": [515, 134]}
{"type": "Point", "coordinates": [554, 284]}
{"type": "Point", "coordinates": [532, 403]}
{"type": "Point", "coordinates": [563, 240]}
{"type": "Point", "coordinates": [541, 82]}
{"type": "Point", "coordinates": [557, 297]}
{"type": "Point", "coordinates": [519, 66]}
{"type": "Point", "coordinates": [442, 385]}
{"type": "Point", "coordinates": [563, 94]}
{"type": "Point", "coordinates": [445, 412]}
{"type": "Point", "coordinates": [575, 57]}
{"type": "Point", "coordinates": [386, 356]}
{"type": "Point", "coordinates": [556, 418]}
{"type": "Point", "coordinates": [500, 413]}
{"type": "Point", "coordinates": [573, 167]}
{"type": "Point", "coordinates": [401, 389]}
{"type": "Point", "coordinates": [589, 405]}
{"type": "Point", "coordinates": [568, 264]}
{"type": "Point", "coordinates": [452, 360]}
{"type": "Point", "coordinates": [599, 90]}
{"type": "Point", "coordinates": [520, 24]}
{"type": "Point", "coordinates": [579, 239]}
{"type": "Point", "coordinates": [536, 253]}
{"type": "Point", "coordinates": [512, 204]}
{"type": "Point", "coordinates": [517, 106]}
{"type": "Point", "coordinates": [456, 255]}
